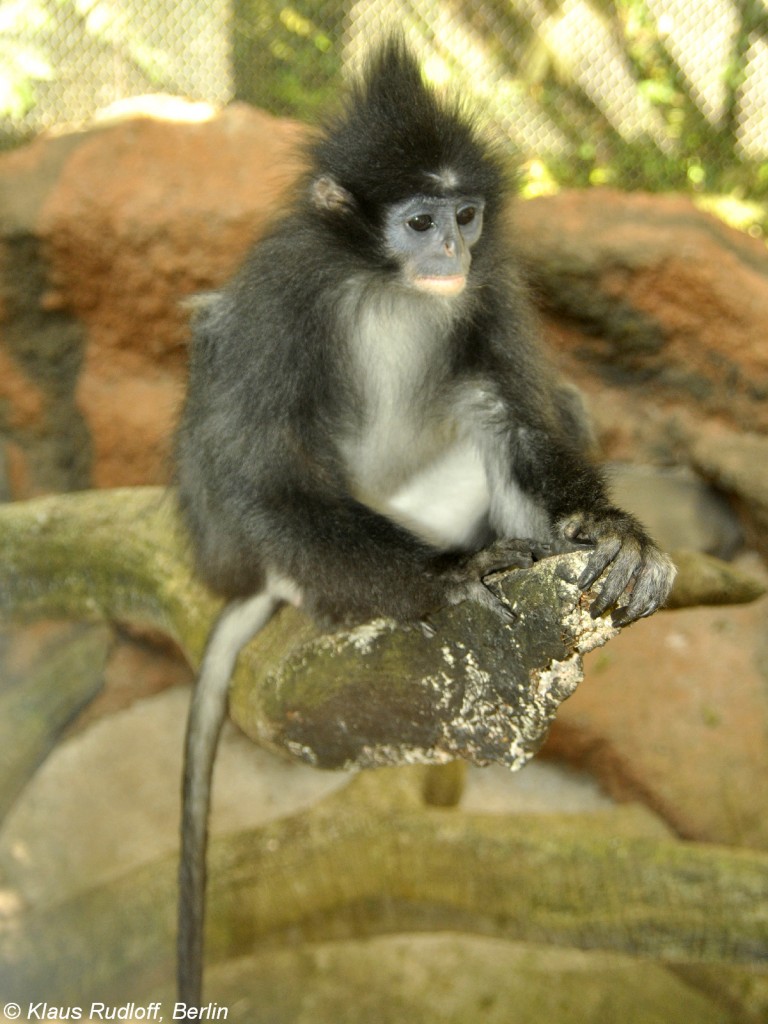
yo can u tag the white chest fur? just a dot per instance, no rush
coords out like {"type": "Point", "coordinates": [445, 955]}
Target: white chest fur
{"type": "Point", "coordinates": [408, 454]}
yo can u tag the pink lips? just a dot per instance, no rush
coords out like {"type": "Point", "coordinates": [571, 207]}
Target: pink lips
{"type": "Point", "coordinates": [451, 285]}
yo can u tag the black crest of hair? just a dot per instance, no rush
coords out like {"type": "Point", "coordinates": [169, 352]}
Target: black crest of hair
{"type": "Point", "coordinates": [395, 137]}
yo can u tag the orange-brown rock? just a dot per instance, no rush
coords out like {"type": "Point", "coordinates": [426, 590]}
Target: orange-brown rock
{"type": "Point", "coordinates": [674, 713]}
{"type": "Point", "coordinates": [22, 399]}
{"type": "Point", "coordinates": [106, 232]}
{"type": "Point", "coordinates": [653, 295]}
{"type": "Point", "coordinates": [146, 213]}
{"type": "Point", "coordinates": [659, 310]}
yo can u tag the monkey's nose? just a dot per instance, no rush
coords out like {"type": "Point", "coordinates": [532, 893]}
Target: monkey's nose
{"type": "Point", "coordinates": [450, 248]}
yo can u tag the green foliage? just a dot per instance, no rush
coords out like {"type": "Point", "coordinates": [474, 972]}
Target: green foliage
{"type": "Point", "coordinates": [111, 24]}
{"type": "Point", "coordinates": [22, 64]}
{"type": "Point", "coordinates": [284, 57]}
{"type": "Point", "coordinates": [695, 151]}
{"type": "Point", "coordinates": [665, 135]}
{"type": "Point", "coordinates": [615, 109]}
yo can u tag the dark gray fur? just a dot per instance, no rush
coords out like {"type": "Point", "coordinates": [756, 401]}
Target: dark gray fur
{"type": "Point", "coordinates": [324, 389]}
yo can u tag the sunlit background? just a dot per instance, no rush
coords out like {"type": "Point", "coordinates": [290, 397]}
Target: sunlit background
{"type": "Point", "coordinates": [653, 94]}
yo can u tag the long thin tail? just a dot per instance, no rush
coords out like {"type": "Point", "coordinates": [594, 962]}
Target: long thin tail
{"type": "Point", "coordinates": [238, 622]}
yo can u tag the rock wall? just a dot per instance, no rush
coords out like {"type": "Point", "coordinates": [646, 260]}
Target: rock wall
{"type": "Point", "coordinates": [103, 234]}
{"type": "Point", "coordinates": [653, 296]}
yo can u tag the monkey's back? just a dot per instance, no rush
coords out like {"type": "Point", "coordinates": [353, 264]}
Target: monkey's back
{"type": "Point", "coordinates": [263, 387]}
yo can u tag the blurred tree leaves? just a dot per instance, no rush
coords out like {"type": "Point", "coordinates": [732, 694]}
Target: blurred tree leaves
{"type": "Point", "coordinates": [588, 91]}
{"type": "Point", "coordinates": [284, 57]}
{"type": "Point", "coordinates": [22, 63]}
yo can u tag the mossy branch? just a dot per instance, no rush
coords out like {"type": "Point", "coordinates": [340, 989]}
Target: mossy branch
{"type": "Point", "coordinates": [376, 694]}
{"type": "Point", "coordinates": [372, 859]}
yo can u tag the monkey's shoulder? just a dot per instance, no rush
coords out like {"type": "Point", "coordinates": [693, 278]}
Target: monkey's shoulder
{"type": "Point", "coordinates": [303, 254]}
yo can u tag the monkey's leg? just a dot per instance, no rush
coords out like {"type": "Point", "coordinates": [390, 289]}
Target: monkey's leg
{"type": "Point", "coordinates": [238, 622]}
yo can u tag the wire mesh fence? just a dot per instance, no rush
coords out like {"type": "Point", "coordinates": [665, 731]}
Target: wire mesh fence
{"type": "Point", "coordinates": [642, 93]}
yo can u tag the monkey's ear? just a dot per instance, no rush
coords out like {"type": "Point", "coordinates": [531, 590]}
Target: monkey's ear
{"type": "Point", "coordinates": [328, 194]}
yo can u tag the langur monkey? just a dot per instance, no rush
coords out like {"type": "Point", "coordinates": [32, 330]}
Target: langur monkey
{"type": "Point", "coordinates": [371, 425]}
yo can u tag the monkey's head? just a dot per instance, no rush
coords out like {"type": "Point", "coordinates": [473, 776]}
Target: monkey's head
{"type": "Point", "coordinates": [409, 174]}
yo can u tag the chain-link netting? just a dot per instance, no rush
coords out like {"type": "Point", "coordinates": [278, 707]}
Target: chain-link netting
{"type": "Point", "coordinates": [652, 93]}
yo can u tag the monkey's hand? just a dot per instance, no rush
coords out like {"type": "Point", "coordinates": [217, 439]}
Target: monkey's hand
{"type": "Point", "coordinates": [464, 576]}
{"type": "Point", "coordinates": [630, 560]}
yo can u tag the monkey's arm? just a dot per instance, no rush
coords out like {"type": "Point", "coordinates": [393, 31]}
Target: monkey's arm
{"type": "Point", "coordinates": [541, 427]}
{"type": "Point", "coordinates": [573, 493]}
{"type": "Point", "coordinates": [349, 559]}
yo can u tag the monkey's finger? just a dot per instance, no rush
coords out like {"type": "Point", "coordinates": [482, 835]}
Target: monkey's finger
{"type": "Point", "coordinates": [541, 549]}
{"type": "Point", "coordinates": [504, 564]}
{"type": "Point", "coordinates": [501, 555]}
{"type": "Point", "coordinates": [620, 617]}
{"type": "Point", "coordinates": [652, 586]}
{"type": "Point", "coordinates": [475, 590]}
{"type": "Point", "coordinates": [623, 570]}
{"type": "Point", "coordinates": [605, 552]}
{"type": "Point", "coordinates": [507, 616]}
{"type": "Point", "coordinates": [482, 595]}
{"type": "Point", "coordinates": [630, 613]}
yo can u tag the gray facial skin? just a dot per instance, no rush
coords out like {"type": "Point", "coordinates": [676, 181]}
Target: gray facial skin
{"type": "Point", "coordinates": [431, 238]}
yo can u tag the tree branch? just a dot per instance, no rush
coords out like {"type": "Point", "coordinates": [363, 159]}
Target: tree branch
{"type": "Point", "coordinates": [372, 695]}
{"type": "Point", "coordinates": [376, 694]}
{"type": "Point", "coordinates": [372, 859]}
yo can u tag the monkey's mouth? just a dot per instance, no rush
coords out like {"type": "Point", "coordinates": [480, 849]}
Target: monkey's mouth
{"type": "Point", "coordinates": [452, 284]}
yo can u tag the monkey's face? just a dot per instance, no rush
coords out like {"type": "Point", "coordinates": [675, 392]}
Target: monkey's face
{"type": "Point", "coordinates": [431, 240]}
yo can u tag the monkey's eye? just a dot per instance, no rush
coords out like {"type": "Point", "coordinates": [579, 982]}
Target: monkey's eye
{"type": "Point", "coordinates": [466, 215]}
{"type": "Point", "coordinates": [421, 222]}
